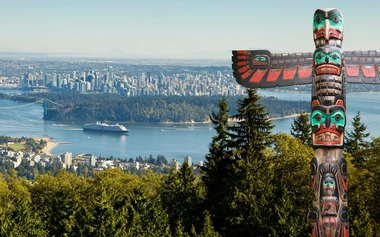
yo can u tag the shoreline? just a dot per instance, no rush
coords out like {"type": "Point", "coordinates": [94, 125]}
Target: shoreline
{"type": "Point", "coordinates": [232, 120]}
{"type": "Point", "coordinates": [287, 116]}
{"type": "Point", "coordinates": [50, 144]}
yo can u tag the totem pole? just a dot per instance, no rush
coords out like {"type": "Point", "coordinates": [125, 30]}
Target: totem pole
{"type": "Point", "coordinates": [328, 71]}
{"type": "Point", "coordinates": [328, 120]}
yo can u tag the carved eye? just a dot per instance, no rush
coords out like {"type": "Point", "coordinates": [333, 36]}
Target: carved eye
{"type": "Point", "coordinates": [318, 19]}
{"type": "Point", "coordinates": [335, 56]}
{"type": "Point", "coordinates": [319, 56]}
{"type": "Point", "coordinates": [328, 182]}
{"type": "Point", "coordinates": [318, 117]}
{"type": "Point", "coordinates": [335, 19]}
{"type": "Point", "coordinates": [338, 117]}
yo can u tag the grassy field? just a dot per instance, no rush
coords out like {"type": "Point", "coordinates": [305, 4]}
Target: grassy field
{"type": "Point", "coordinates": [16, 147]}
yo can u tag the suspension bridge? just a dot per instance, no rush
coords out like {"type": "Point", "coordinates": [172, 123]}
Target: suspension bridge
{"type": "Point", "coordinates": [41, 101]}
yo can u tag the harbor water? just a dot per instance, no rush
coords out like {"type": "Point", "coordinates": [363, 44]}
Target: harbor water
{"type": "Point", "coordinates": [174, 141]}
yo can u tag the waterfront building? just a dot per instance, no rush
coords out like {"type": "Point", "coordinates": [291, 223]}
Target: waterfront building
{"type": "Point", "coordinates": [188, 160]}
{"type": "Point", "coordinates": [67, 158]}
{"type": "Point", "coordinates": [92, 160]}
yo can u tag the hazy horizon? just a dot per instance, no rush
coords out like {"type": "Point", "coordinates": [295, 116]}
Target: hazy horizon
{"type": "Point", "coordinates": [175, 29]}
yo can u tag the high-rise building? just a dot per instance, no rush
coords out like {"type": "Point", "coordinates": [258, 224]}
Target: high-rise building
{"type": "Point", "coordinates": [92, 160]}
{"type": "Point", "coordinates": [176, 165]}
{"type": "Point", "coordinates": [45, 80]}
{"type": "Point", "coordinates": [148, 77]}
{"type": "Point", "coordinates": [67, 158]}
{"type": "Point", "coordinates": [59, 82]}
{"type": "Point", "coordinates": [54, 80]}
{"type": "Point", "coordinates": [188, 160]}
{"type": "Point", "coordinates": [110, 73]}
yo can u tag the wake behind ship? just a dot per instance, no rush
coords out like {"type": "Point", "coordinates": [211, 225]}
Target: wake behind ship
{"type": "Point", "coordinates": [104, 127]}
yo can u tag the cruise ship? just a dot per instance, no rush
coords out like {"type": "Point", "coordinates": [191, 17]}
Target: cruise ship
{"type": "Point", "coordinates": [104, 127]}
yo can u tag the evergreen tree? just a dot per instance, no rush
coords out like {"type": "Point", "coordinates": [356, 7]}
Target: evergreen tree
{"type": "Point", "coordinates": [208, 229]}
{"type": "Point", "coordinates": [364, 191]}
{"type": "Point", "coordinates": [218, 167]}
{"type": "Point", "coordinates": [301, 129]}
{"type": "Point", "coordinates": [252, 131]}
{"type": "Point", "coordinates": [363, 204]}
{"type": "Point", "coordinates": [355, 143]}
{"type": "Point", "coordinates": [251, 207]}
{"type": "Point", "coordinates": [182, 198]}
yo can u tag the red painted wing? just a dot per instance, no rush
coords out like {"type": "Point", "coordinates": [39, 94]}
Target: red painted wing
{"type": "Point", "coordinates": [261, 69]}
{"type": "Point", "coordinates": [362, 66]}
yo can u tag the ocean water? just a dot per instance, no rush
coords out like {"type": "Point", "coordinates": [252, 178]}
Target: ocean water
{"type": "Point", "coordinates": [174, 141]}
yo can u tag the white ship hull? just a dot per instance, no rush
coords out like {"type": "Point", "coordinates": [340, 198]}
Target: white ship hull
{"type": "Point", "coordinates": [104, 127]}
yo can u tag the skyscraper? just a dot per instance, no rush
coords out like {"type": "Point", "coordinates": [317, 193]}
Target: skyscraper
{"type": "Point", "coordinates": [188, 160]}
{"type": "Point", "coordinates": [67, 159]}
{"type": "Point", "coordinates": [110, 73]}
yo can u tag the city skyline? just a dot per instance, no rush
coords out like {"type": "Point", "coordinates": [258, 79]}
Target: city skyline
{"type": "Point", "coordinates": [175, 29]}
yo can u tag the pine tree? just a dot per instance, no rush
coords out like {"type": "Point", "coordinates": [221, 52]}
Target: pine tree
{"type": "Point", "coordinates": [252, 131]}
{"type": "Point", "coordinates": [355, 143]}
{"type": "Point", "coordinates": [218, 167]}
{"type": "Point", "coordinates": [250, 209]}
{"type": "Point", "coordinates": [182, 198]}
{"type": "Point", "coordinates": [301, 129]}
{"type": "Point", "coordinates": [372, 200]}
{"type": "Point", "coordinates": [208, 229]}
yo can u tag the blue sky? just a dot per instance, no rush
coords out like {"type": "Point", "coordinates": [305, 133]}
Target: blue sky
{"type": "Point", "coordinates": [176, 27]}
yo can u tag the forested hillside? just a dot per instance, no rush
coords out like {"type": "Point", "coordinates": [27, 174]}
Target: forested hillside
{"type": "Point", "coordinates": [111, 107]}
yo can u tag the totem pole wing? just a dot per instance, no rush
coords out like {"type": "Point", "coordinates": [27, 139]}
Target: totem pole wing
{"type": "Point", "coordinates": [262, 69]}
{"type": "Point", "coordinates": [362, 66]}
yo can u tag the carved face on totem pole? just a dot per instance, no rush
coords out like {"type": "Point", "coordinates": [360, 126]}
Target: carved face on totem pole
{"type": "Point", "coordinates": [328, 123]}
{"type": "Point", "coordinates": [328, 186]}
{"type": "Point", "coordinates": [328, 60]}
{"type": "Point", "coordinates": [328, 27]}
{"type": "Point", "coordinates": [328, 117]}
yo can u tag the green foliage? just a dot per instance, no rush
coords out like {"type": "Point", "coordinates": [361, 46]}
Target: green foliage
{"type": "Point", "coordinates": [360, 193]}
{"type": "Point", "coordinates": [23, 143]}
{"type": "Point", "coordinates": [301, 129]}
{"type": "Point", "coordinates": [237, 158]}
{"type": "Point", "coordinates": [219, 168]}
{"type": "Point", "coordinates": [355, 142]}
{"type": "Point", "coordinates": [182, 199]}
{"type": "Point", "coordinates": [112, 107]}
{"type": "Point", "coordinates": [253, 183]}
{"type": "Point", "coordinates": [251, 133]}
{"type": "Point", "coordinates": [208, 229]}
{"type": "Point", "coordinates": [292, 194]}
{"type": "Point", "coordinates": [368, 200]}
{"type": "Point", "coordinates": [16, 215]}
{"type": "Point", "coordinates": [112, 204]}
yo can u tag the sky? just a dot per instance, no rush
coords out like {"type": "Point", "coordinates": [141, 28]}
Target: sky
{"type": "Point", "coordinates": [178, 28]}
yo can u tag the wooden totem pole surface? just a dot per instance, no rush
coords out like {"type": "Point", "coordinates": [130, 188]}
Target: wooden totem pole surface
{"type": "Point", "coordinates": [328, 69]}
